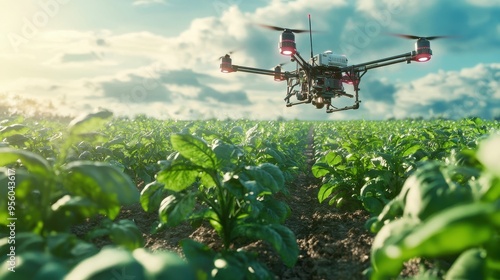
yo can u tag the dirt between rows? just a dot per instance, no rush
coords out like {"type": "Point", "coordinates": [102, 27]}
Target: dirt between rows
{"type": "Point", "coordinates": [334, 244]}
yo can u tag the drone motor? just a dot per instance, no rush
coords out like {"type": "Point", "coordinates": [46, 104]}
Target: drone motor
{"type": "Point", "coordinates": [423, 50]}
{"type": "Point", "coordinates": [287, 43]}
{"type": "Point", "coordinates": [226, 64]}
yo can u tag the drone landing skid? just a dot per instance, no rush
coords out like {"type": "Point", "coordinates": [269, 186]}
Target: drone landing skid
{"type": "Point", "coordinates": [290, 104]}
{"type": "Point", "coordinates": [335, 109]}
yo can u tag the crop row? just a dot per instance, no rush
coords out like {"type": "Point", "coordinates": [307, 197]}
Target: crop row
{"type": "Point", "coordinates": [224, 173]}
{"type": "Point", "coordinates": [432, 188]}
{"type": "Point", "coordinates": [427, 184]}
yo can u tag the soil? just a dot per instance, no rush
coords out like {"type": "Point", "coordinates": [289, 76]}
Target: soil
{"type": "Point", "coordinates": [334, 244]}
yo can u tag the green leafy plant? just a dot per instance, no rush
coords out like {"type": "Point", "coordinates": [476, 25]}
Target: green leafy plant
{"type": "Point", "coordinates": [213, 183]}
{"type": "Point", "coordinates": [47, 198]}
{"type": "Point", "coordinates": [444, 210]}
{"type": "Point", "coordinates": [364, 164]}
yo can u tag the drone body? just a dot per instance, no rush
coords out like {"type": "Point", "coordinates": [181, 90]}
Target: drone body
{"type": "Point", "coordinates": [322, 78]}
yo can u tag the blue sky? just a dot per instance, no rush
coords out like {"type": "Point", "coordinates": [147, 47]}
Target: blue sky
{"type": "Point", "coordinates": [159, 57]}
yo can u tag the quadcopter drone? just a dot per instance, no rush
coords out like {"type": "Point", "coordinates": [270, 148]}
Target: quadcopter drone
{"type": "Point", "coordinates": [321, 79]}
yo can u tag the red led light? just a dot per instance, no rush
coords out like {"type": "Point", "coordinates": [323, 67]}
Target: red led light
{"type": "Point", "coordinates": [423, 57]}
{"type": "Point", "coordinates": [347, 80]}
{"type": "Point", "coordinates": [224, 68]}
{"type": "Point", "coordinates": [287, 47]}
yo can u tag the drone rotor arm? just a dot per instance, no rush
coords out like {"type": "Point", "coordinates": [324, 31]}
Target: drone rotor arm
{"type": "Point", "coordinates": [286, 75]}
{"type": "Point", "coordinates": [253, 70]}
{"type": "Point", "coordinates": [380, 62]}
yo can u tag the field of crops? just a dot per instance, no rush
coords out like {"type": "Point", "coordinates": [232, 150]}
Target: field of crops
{"type": "Point", "coordinates": [104, 197]}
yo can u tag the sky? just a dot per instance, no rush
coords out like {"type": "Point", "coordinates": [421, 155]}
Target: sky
{"type": "Point", "coordinates": [160, 57]}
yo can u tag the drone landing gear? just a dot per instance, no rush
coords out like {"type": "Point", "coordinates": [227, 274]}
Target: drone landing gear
{"type": "Point", "coordinates": [290, 104]}
{"type": "Point", "coordinates": [335, 109]}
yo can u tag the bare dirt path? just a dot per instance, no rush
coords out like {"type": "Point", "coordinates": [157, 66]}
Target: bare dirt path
{"type": "Point", "coordinates": [333, 243]}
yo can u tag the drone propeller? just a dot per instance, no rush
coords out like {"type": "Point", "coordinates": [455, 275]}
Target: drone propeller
{"type": "Point", "coordinates": [279, 65]}
{"type": "Point", "coordinates": [229, 53]}
{"type": "Point", "coordinates": [414, 37]}
{"type": "Point", "coordinates": [283, 63]}
{"type": "Point", "coordinates": [277, 28]}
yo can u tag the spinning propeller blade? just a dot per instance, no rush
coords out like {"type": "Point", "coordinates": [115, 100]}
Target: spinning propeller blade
{"type": "Point", "coordinates": [228, 53]}
{"type": "Point", "coordinates": [414, 37]}
{"type": "Point", "coordinates": [277, 28]}
{"type": "Point", "coordinates": [280, 65]}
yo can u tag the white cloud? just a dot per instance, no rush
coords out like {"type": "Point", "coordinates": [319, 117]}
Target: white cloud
{"type": "Point", "coordinates": [147, 2]}
{"type": "Point", "coordinates": [471, 91]}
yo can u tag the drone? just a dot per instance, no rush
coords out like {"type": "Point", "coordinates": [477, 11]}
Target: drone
{"type": "Point", "coordinates": [322, 78]}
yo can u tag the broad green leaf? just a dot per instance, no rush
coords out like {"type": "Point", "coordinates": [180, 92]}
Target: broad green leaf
{"type": "Point", "coordinates": [411, 150]}
{"type": "Point", "coordinates": [177, 208]}
{"type": "Point", "coordinates": [13, 129]}
{"type": "Point", "coordinates": [320, 169]}
{"type": "Point", "coordinates": [278, 159]}
{"type": "Point", "coordinates": [253, 189]}
{"type": "Point", "coordinates": [470, 264]}
{"type": "Point", "coordinates": [280, 237]}
{"type": "Point", "coordinates": [164, 265]}
{"type": "Point", "coordinates": [453, 230]}
{"type": "Point", "coordinates": [29, 193]}
{"type": "Point", "coordinates": [385, 266]}
{"type": "Point", "coordinates": [252, 131]}
{"type": "Point", "coordinates": [33, 162]}
{"type": "Point", "coordinates": [225, 153]}
{"type": "Point", "coordinates": [178, 177]}
{"type": "Point", "coordinates": [239, 265]}
{"type": "Point", "coordinates": [448, 232]}
{"type": "Point", "coordinates": [267, 175]}
{"type": "Point", "coordinates": [25, 242]}
{"type": "Point", "coordinates": [275, 172]}
{"type": "Point", "coordinates": [333, 158]}
{"type": "Point", "coordinates": [34, 265]}
{"type": "Point", "coordinates": [373, 204]}
{"type": "Point", "coordinates": [76, 208]}
{"type": "Point", "coordinates": [430, 190]}
{"type": "Point", "coordinates": [82, 250]}
{"type": "Point", "coordinates": [194, 149]}
{"type": "Point", "coordinates": [71, 210]}
{"type": "Point", "coordinates": [274, 211]}
{"type": "Point", "coordinates": [102, 183]}
{"type": "Point", "coordinates": [326, 190]}
{"type": "Point", "coordinates": [489, 153]}
{"type": "Point", "coordinates": [125, 233]}
{"type": "Point", "coordinates": [371, 188]}
{"type": "Point", "coordinates": [199, 256]}
{"type": "Point", "coordinates": [109, 263]}
{"type": "Point", "coordinates": [393, 209]}
{"type": "Point", "coordinates": [17, 140]}
{"type": "Point", "coordinates": [490, 187]}
{"type": "Point", "coordinates": [236, 188]}
{"type": "Point", "coordinates": [151, 196]}
{"type": "Point", "coordinates": [69, 247]}
{"type": "Point", "coordinates": [90, 122]}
